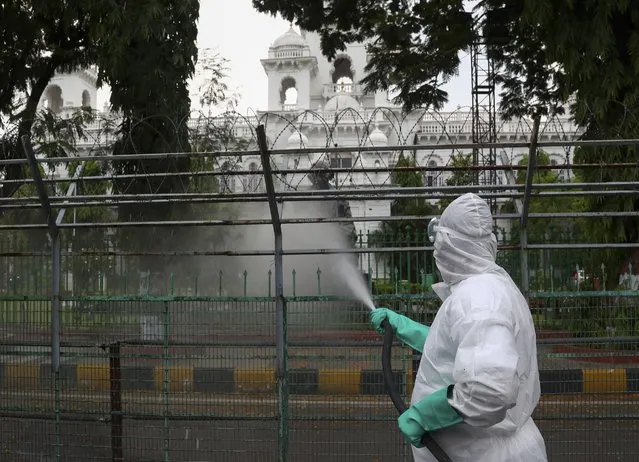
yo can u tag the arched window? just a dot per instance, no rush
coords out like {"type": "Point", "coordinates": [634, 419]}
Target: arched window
{"type": "Point", "coordinates": [226, 183]}
{"type": "Point", "coordinates": [343, 70]}
{"type": "Point", "coordinates": [288, 93]}
{"type": "Point", "coordinates": [53, 98]}
{"type": "Point", "coordinates": [377, 164]}
{"type": "Point", "coordinates": [86, 99]}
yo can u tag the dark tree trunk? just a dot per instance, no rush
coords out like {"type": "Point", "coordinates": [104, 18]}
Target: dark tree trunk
{"type": "Point", "coordinates": [13, 148]}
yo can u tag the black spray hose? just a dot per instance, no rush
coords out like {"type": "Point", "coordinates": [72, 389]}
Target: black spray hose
{"type": "Point", "coordinates": [395, 396]}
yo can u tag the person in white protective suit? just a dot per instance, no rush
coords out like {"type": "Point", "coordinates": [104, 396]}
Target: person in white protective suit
{"type": "Point", "coordinates": [478, 380]}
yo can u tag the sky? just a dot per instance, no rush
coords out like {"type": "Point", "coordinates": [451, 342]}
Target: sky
{"type": "Point", "coordinates": [242, 35]}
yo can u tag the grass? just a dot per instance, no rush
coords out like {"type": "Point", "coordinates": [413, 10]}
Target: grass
{"type": "Point", "coordinates": [38, 314]}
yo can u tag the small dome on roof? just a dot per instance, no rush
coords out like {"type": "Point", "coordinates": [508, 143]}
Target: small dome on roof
{"type": "Point", "coordinates": [377, 138]}
{"type": "Point", "coordinates": [297, 140]}
{"type": "Point", "coordinates": [340, 102]}
{"type": "Point", "coordinates": [290, 39]}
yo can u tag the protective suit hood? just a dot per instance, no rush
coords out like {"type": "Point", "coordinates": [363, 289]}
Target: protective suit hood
{"type": "Point", "coordinates": [465, 244]}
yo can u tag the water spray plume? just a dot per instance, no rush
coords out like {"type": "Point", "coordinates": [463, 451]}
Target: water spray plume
{"type": "Point", "coordinates": [354, 281]}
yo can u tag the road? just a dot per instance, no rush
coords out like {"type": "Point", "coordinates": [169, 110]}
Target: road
{"type": "Point", "coordinates": [322, 429]}
{"type": "Point", "coordinates": [310, 441]}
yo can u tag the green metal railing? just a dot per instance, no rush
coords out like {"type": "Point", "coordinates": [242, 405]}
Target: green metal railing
{"type": "Point", "coordinates": [207, 365]}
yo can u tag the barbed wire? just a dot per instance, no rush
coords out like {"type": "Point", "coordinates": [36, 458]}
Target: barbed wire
{"type": "Point", "coordinates": [348, 127]}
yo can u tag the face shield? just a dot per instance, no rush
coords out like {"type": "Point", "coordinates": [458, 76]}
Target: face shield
{"type": "Point", "coordinates": [433, 228]}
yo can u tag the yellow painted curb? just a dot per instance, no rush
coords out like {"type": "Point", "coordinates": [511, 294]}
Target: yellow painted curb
{"type": "Point", "coordinates": [180, 378]}
{"type": "Point", "coordinates": [604, 380]}
{"type": "Point", "coordinates": [339, 381]}
{"type": "Point", "coordinates": [93, 376]}
{"type": "Point", "coordinates": [254, 380]}
{"type": "Point", "coordinates": [21, 375]}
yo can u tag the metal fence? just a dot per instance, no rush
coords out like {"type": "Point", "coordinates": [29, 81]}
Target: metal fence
{"type": "Point", "coordinates": [232, 336]}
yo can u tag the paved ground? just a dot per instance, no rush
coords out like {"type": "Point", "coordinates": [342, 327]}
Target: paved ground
{"type": "Point", "coordinates": [580, 428]}
{"type": "Point", "coordinates": [310, 441]}
{"type": "Point", "coordinates": [323, 429]}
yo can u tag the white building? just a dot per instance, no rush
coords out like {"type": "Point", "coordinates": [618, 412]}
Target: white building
{"type": "Point", "coordinates": [314, 103]}
{"type": "Point", "coordinates": [67, 92]}
{"type": "Point", "coordinates": [328, 108]}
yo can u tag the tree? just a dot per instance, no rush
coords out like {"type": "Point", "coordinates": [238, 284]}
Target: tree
{"type": "Point", "coordinates": [597, 49]}
{"type": "Point", "coordinates": [38, 38]}
{"type": "Point", "coordinates": [52, 136]}
{"type": "Point", "coordinates": [407, 232]}
{"type": "Point", "coordinates": [126, 40]}
{"type": "Point", "coordinates": [458, 177]}
{"type": "Point", "coordinates": [212, 128]}
{"type": "Point", "coordinates": [148, 70]}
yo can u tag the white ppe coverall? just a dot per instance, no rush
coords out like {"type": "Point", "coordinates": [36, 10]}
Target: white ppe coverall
{"type": "Point", "coordinates": [483, 342]}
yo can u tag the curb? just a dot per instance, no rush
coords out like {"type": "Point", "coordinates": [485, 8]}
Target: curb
{"type": "Point", "coordinates": [569, 381]}
{"type": "Point", "coordinates": [83, 376]}
{"type": "Point", "coordinates": [96, 377]}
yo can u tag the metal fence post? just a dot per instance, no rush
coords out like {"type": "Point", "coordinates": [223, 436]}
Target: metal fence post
{"type": "Point", "coordinates": [54, 235]}
{"type": "Point", "coordinates": [166, 342]}
{"type": "Point", "coordinates": [280, 305]}
{"type": "Point", "coordinates": [523, 231]}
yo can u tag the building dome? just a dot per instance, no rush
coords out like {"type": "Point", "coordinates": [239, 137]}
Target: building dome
{"type": "Point", "coordinates": [340, 102]}
{"type": "Point", "coordinates": [290, 39]}
{"type": "Point", "coordinates": [377, 138]}
{"type": "Point", "coordinates": [297, 140]}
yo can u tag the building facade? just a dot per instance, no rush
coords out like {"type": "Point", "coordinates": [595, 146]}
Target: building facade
{"type": "Point", "coordinates": [317, 103]}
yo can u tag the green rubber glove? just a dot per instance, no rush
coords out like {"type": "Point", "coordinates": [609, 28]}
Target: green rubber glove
{"type": "Point", "coordinates": [430, 414]}
{"type": "Point", "coordinates": [411, 333]}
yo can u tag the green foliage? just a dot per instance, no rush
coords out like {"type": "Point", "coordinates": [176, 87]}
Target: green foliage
{"type": "Point", "coordinates": [458, 177]}
{"type": "Point", "coordinates": [405, 233]}
{"type": "Point", "coordinates": [38, 38]}
{"type": "Point", "coordinates": [619, 229]}
{"type": "Point", "coordinates": [417, 206]}
{"type": "Point", "coordinates": [52, 136]}
{"type": "Point", "coordinates": [91, 269]}
{"type": "Point", "coordinates": [596, 44]}
{"type": "Point", "coordinates": [530, 84]}
{"type": "Point", "coordinates": [147, 68]}
{"type": "Point", "coordinates": [544, 229]}
{"type": "Point", "coordinates": [214, 90]}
